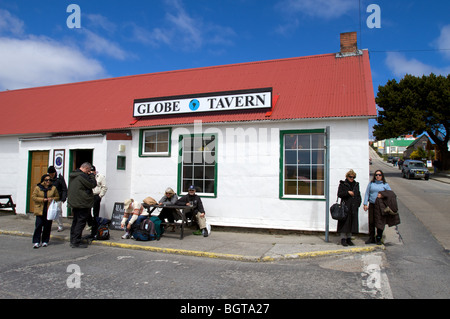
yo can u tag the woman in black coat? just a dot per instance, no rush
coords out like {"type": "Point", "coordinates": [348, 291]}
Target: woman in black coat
{"type": "Point", "coordinates": [349, 192]}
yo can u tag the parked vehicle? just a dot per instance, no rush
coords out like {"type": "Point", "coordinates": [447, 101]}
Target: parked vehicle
{"type": "Point", "coordinates": [415, 169]}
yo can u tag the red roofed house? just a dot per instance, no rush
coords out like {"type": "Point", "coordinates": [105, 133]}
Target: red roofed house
{"type": "Point", "coordinates": [251, 137]}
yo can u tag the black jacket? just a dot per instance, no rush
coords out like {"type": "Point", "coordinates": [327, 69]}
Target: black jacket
{"type": "Point", "coordinates": [197, 201]}
{"type": "Point", "coordinates": [61, 186]}
{"type": "Point", "coordinates": [80, 193]}
{"type": "Point", "coordinates": [351, 224]}
{"type": "Point", "coordinates": [381, 216]}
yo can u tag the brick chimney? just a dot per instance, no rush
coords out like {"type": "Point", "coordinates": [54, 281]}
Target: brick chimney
{"type": "Point", "coordinates": [349, 43]}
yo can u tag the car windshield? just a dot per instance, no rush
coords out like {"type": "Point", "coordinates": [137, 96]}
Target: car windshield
{"type": "Point", "coordinates": [417, 165]}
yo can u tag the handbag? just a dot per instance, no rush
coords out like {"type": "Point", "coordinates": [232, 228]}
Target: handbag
{"type": "Point", "coordinates": [339, 211]}
{"type": "Point", "coordinates": [53, 210]}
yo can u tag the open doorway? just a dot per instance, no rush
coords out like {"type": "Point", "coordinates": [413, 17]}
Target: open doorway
{"type": "Point", "coordinates": [78, 157]}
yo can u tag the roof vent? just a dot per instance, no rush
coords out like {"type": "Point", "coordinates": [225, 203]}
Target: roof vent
{"type": "Point", "coordinates": [349, 45]}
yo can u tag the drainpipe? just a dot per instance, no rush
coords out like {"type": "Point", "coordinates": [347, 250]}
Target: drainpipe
{"type": "Point", "coordinates": [327, 183]}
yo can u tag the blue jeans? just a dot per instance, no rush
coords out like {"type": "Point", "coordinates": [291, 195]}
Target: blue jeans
{"type": "Point", "coordinates": [137, 222]}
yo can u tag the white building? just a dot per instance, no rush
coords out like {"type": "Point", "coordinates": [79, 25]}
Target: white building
{"type": "Point", "coordinates": [251, 137]}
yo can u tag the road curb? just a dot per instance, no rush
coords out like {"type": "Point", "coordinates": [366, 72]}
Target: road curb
{"type": "Point", "coordinates": [195, 253]}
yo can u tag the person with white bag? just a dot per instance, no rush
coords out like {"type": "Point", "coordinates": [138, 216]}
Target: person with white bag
{"type": "Point", "coordinates": [44, 195]}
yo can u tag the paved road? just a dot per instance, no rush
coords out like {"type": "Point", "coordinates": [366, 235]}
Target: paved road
{"type": "Point", "coordinates": [428, 200]}
{"type": "Point", "coordinates": [419, 267]}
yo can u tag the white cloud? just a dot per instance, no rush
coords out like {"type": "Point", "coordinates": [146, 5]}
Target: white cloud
{"type": "Point", "coordinates": [400, 66]}
{"type": "Point", "coordinates": [100, 45]}
{"type": "Point", "coordinates": [37, 61]}
{"type": "Point", "coordinates": [443, 42]}
{"type": "Point", "coordinates": [27, 60]}
{"type": "Point", "coordinates": [10, 24]}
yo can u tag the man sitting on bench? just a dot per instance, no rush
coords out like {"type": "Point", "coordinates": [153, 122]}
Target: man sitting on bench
{"type": "Point", "coordinates": [197, 212]}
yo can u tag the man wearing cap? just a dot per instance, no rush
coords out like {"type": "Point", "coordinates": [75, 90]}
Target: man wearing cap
{"type": "Point", "coordinates": [81, 199]}
{"type": "Point", "coordinates": [133, 214]}
{"type": "Point", "coordinates": [198, 212]}
{"type": "Point", "coordinates": [60, 184]}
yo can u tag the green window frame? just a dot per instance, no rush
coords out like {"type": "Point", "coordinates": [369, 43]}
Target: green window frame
{"type": "Point", "coordinates": [302, 164]}
{"type": "Point", "coordinates": [121, 163]}
{"type": "Point", "coordinates": [197, 164]}
{"type": "Point", "coordinates": [155, 142]}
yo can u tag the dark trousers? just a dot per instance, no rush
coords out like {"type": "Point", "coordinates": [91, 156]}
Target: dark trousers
{"type": "Point", "coordinates": [170, 213]}
{"type": "Point", "coordinates": [43, 227]}
{"type": "Point", "coordinates": [80, 217]}
{"type": "Point", "coordinates": [372, 227]}
{"type": "Point", "coordinates": [92, 221]}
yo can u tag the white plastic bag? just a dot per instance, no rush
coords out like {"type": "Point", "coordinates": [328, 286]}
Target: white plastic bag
{"type": "Point", "coordinates": [208, 228]}
{"type": "Point", "coordinates": [53, 210]}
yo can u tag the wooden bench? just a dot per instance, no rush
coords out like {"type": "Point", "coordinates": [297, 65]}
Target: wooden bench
{"type": "Point", "coordinates": [8, 203]}
{"type": "Point", "coordinates": [185, 222]}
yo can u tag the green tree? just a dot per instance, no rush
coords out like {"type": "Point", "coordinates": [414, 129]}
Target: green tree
{"type": "Point", "coordinates": [415, 105]}
{"type": "Point", "coordinates": [418, 154]}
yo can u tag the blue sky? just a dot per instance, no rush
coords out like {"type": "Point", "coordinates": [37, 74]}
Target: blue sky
{"type": "Point", "coordinates": [119, 38]}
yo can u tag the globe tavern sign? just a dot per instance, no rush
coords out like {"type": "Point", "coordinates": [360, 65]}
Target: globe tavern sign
{"type": "Point", "coordinates": [206, 102]}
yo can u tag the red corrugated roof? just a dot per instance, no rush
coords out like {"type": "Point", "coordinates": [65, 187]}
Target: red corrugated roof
{"type": "Point", "coordinates": [320, 86]}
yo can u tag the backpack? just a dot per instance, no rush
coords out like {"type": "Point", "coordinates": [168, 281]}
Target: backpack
{"type": "Point", "coordinates": [145, 231]}
{"type": "Point", "coordinates": [159, 230]}
{"type": "Point", "coordinates": [102, 233]}
{"type": "Point", "coordinates": [103, 229]}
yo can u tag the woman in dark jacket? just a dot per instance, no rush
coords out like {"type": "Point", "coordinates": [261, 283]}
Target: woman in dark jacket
{"type": "Point", "coordinates": [349, 193]}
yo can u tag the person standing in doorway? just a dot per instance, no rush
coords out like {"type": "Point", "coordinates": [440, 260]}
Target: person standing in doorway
{"type": "Point", "coordinates": [60, 184]}
{"type": "Point", "coordinates": [81, 200]}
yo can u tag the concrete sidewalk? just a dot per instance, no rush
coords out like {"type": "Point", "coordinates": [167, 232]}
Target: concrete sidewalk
{"type": "Point", "coordinates": [223, 243]}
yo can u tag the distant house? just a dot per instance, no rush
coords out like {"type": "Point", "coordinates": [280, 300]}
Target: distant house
{"type": "Point", "coordinates": [424, 142]}
{"type": "Point", "coordinates": [395, 146]}
{"type": "Point", "coordinates": [253, 138]}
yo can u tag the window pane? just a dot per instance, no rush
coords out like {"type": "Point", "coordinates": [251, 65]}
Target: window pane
{"type": "Point", "coordinates": [210, 172]}
{"type": "Point", "coordinates": [304, 157]}
{"type": "Point", "coordinates": [199, 172]}
{"type": "Point", "coordinates": [150, 147]}
{"type": "Point", "coordinates": [317, 188]}
{"type": "Point", "coordinates": [318, 172]}
{"type": "Point", "coordinates": [290, 142]}
{"type": "Point", "coordinates": [198, 158]}
{"type": "Point", "coordinates": [163, 136]}
{"type": "Point", "coordinates": [318, 157]}
{"type": "Point", "coordinates": [163, 147]}
{"type": "Point", "coordinates": [317, 141]}
{"type": "Point", "coordinates": [304, 141]}
{"type": "Point", "coordinates": [198, 183]}
{"type": "Point", "coordinates": [290, 157]}
{"type": "Point", "coordinates": [209, 187]}
{"type": "Point", "coordinates": [290, 188]}
{"type": "Point", "coordinates": [304, 173]}
{"type": "Point", "coordinates": [303, 188]}
{"type": "Point", "coordinates": [188, 171]}
{"type": "Point", "coordinates": [187, 158]}
{"type": "Point", "coordinates": [290, 172]}
{"type": "Point", "coordinates": [150, 137]}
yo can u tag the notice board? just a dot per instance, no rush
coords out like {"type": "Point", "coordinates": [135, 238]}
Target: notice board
{"type": "Point", "coordinates": [117, 215]}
